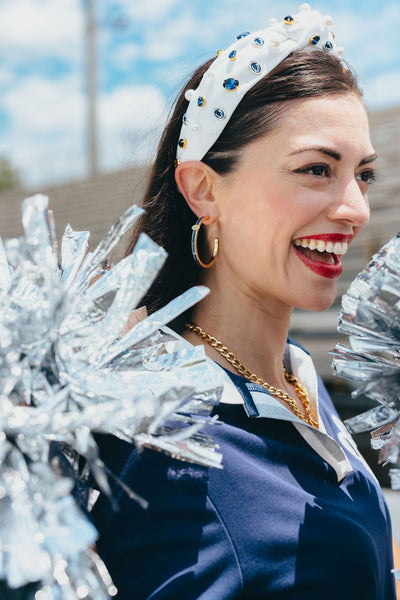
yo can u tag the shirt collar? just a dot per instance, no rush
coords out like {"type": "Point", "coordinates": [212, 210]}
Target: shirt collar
{"type": "Point", "coordinates": [258, 403]}
{"type": "Point", "coordinates": [297, 361]}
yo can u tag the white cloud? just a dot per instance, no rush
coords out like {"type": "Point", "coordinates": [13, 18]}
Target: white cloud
{"type": "Point", "coordinates": [124, 56]}
{"type": "Point", "coordinates": [150, 10]}
{"type": "Point", "coordinates": [6, 77]}
{"type": "Point", "coordinates": [383, 90]}
{"type": "Point", "coordinates": [369, 40]}
{"type": "Point", "coordinates": [45, 134]}
{"type": "Point", "coordinates": [131, 118]}
{"type": "Point", "coordinates": [46, 139]}
{"type": "Point", "coordinates": [137, 107]}
{"type": "Point", "coordinates": [33, 27]}
{"type": "Point", "coordinates": [43, 105]}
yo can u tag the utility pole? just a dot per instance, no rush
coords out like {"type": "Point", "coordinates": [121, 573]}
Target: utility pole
{"type": "Point", "coordinates": [91, 85]}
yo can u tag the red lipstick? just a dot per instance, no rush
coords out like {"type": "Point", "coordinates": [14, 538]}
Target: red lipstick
{"type": "Point", "coordinates": [321, 268]}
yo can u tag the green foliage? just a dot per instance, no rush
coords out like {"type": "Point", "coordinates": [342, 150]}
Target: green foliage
{"type": "Point", "coordinates": [9, 178]}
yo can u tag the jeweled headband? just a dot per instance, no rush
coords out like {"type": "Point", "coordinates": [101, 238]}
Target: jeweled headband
{"type": "Point", "coordinates": [241, 66]}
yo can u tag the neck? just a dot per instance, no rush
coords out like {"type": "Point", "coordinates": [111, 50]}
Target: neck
{"type": "Point", "coordinates": [254, 329]}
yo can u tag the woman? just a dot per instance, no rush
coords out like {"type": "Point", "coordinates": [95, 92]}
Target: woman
{"type": "Point", "coordinates": [274, 160]}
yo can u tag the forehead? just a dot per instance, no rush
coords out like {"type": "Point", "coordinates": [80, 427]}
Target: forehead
{"type": "Point", "coordinates": [336, 118]}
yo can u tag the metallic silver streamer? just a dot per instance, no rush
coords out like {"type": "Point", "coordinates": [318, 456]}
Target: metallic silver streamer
{"type": "Point", "coordinates": [370, 317]}
{"type": "Point", "coordinates": [71, 367]}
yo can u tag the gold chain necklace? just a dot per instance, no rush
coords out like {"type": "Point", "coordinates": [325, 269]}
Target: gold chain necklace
{"type": "Point", "coordinates": [245, 372]}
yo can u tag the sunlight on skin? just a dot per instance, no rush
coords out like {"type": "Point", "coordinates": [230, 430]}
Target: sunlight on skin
{"type": "Point", "coordinates": [134, 318]}
{"type": "Point", "coordinates": [307, 179]}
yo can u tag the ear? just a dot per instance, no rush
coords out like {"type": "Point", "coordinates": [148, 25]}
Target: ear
{"type": "Point", "coordinates": [195, 181]}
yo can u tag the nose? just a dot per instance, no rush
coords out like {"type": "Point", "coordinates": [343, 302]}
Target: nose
{"type": "Point", "coordinates": [352, 206]}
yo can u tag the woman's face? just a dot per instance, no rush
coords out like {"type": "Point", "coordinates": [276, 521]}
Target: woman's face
{"type": "Point", "coordinates": [295, 202]}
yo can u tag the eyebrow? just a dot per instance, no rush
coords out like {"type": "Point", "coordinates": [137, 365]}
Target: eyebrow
{"type": "Point", "coordinates": [333, 154]}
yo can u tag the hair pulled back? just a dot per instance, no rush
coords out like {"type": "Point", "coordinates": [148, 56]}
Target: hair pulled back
{"type": "Point", "coordinates": [168, 219]}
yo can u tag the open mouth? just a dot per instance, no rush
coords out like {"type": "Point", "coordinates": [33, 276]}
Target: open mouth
{"type": "Point", "coordinates": [321, 256]}
{"type": "Point", "coordinates": [320, 250]}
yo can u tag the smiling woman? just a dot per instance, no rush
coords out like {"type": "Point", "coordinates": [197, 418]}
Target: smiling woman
{"type": "Point", "coordinates": [268, 155]}
{"type": "Point", "coordinates": [284, 188]}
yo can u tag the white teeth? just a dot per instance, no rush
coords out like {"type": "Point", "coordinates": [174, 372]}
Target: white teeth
{"type": "Point", "coordinates": [329, 247]}
{"type": "Point", "coordinates": [340, 248]}
{"type": "Point", "coordinates": [321, 246]}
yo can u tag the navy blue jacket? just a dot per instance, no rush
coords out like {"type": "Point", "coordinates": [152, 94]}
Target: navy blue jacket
{"type": "Point", "coordinates": [275, 523]}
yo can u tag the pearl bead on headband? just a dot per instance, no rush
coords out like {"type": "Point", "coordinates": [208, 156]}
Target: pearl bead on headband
{"type": "Point", "coordinates": [241, 66]}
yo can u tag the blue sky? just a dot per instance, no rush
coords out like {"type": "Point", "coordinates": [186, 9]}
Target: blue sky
{"type": "Point", "coordinates": [146, 48]}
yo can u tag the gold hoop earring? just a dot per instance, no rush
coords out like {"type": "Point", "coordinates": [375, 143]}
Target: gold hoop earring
{"type": "Point", "coordinates": [195, 252]}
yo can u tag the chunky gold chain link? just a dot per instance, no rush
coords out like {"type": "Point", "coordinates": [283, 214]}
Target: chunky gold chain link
{"type": "Point", "coordinates": [245, 372]}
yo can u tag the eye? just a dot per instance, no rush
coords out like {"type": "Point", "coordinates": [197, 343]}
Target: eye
{"type": "Point", "coordinates": [319, 170]}
{"type": "Point", "coordinates": [367, 176]}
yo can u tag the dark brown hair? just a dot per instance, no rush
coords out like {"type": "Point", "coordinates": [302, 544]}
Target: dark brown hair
{"type": "Point", "coordinates": [168, 219]}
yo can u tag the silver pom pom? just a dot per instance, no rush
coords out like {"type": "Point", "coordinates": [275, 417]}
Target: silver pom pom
{"type": "Point", "coordinates": [370, 317]}
{"type": "Point", "coordinates": [75, 361]}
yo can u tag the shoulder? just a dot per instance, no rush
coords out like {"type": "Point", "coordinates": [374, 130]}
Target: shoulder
{"type": "Point", "coordinates": [178, 547]}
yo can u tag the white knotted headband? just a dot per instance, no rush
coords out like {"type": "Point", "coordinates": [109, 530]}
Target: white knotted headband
{"type": "Point", "coordinates": [242, 65]}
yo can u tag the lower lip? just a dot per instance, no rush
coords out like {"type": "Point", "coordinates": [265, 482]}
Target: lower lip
{"type": "Point", "coordinates": [320, 268]}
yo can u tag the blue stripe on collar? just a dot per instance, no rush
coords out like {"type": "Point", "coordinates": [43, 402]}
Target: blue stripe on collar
{"type": "Point", "coordinates": [244, 387]}
{"type": "Point", "coordinates": [263, 408]}
{"type": "Point", "coordinates": [290, 341]}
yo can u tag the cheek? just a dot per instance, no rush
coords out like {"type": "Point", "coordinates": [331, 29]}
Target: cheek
{"type": "Point", "coordinates": [260, 221]}
{"type": "Point", "coordinates": [259, 232]}
{"type": "Point", "coordinates": [256, 210]}
{"type": "Point", "coordinates": [252, 247]}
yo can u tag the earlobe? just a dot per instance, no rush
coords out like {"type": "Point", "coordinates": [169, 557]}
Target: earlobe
{"type": "Point", "coordinates": [195, 181]}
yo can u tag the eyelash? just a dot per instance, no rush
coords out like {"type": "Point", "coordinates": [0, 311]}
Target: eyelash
{"type": "Point", "coordinates": [311, 170]}
{"type": "Point", "coordinates": [371, 176]}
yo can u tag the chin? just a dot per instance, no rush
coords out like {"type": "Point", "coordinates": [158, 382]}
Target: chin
{"type": "Point", "coordinates": [319, 307]}
{"type": "Point", "coordinates": [317, 301]}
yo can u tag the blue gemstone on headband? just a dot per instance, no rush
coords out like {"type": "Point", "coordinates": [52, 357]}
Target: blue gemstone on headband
{"type": "Point", "coordinates": [185, 119]}
{"type": "Point", "coordinates": [288, 20]}
{"type": "Point", "coordinates": [242, 35]}
{"type": "Point", "coordinates": [328, 46]}
{"type": "Point", "coordinates": [182, 143]}
{"type": "Point", "coordinates": [231, 84]}
{"type": "Point", "coordinates": [232, 55]}
{"type": "Point", "coordinates": [255, 67]}
{"type": "Point", "coordinates": [219, 114]}
{"type": "Point", "coordinates": [258, 42]}
{"type": "Point", "coordinates": [314, 39]}
{"type": "Point", "coordinates": [201, 101]}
